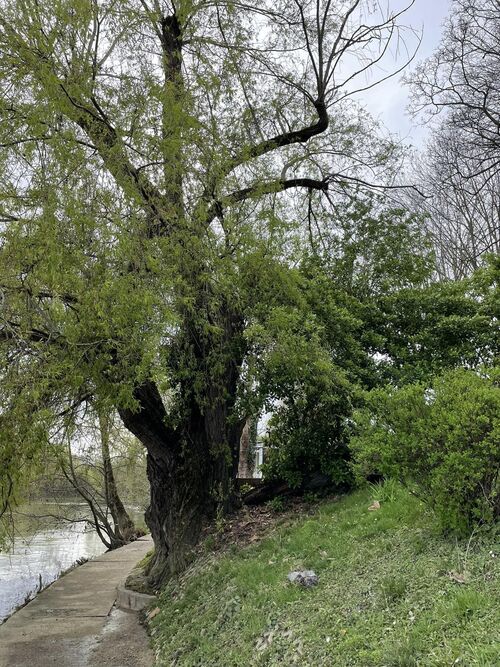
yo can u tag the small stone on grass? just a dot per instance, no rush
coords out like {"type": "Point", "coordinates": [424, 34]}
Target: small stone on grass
{"type": "Point", "coordinates": [306, 578]}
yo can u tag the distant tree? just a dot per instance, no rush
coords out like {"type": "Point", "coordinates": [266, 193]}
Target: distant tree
{"type": "Point", "coordinates": [461, 216]}
{"type": "Point", "coordinates": [156, 159]}
{"type": "Point", "coordinates": [459, 173]}
{"type": "Point", "coordinates": [92, 476]}
{"type": "Point", "coordinates": [461, 81]}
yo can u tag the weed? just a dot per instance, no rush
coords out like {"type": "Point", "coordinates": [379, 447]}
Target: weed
{"type": "Point", "coordinates": [464, 605]}
{"type": "Point", "coordinates": [310, 497]}
{"type": "Point", "coordinates": [393, 588]}
{"type": "Point", "coordinates": [403, 654]}
{"type": "Point", "coordinates": [386, 491]}
{"type": "Point", "coordinates": [277, 504]}
{"type": "Point", "coordinates": [210, 543]}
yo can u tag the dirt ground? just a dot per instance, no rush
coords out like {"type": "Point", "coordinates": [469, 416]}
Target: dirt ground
{"type": "Point", "coordinates": [123, 642]}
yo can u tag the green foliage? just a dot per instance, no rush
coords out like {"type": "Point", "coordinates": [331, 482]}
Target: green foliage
{"type": "Point", "coordinates": [443, 441]}
{"type": "Point", "coordinates": [311, 343]}
{"type": "Point", "coordinates": [292, 372]}
{"type": "Point", "coordinates": [277, 504]}
{"type": "Point", "coordinates": [376, 248]}
{"type": "Point", "coordinates": [308, 435]}
{"type": "Point", "coordinates": [424, 330]}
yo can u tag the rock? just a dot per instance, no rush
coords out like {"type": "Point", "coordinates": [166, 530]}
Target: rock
{"type": "Point", "coordinates": [306, 578]}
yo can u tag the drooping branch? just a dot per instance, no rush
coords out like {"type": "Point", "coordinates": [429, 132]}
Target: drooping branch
{"type": "Point", "coordinates": [82, 108]}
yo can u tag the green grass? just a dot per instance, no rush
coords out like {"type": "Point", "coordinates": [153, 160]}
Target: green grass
{"type": "Point", "coordinates": [385, 596]}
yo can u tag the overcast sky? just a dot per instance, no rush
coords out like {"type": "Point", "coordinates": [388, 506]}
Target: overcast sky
{"type": "Point", "coordinates": [388, 101]}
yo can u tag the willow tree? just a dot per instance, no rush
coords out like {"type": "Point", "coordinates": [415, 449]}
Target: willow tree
{"type": "Point", "coordinates": [158, 160]}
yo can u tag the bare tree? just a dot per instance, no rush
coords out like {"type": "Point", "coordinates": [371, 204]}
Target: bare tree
{"type": "Point", "coordinates": [91, 475]}
{"type": "Point", "coordinates": [462, 79]}
{"type": "Point", "coordinates": [459, 87]}
{"type": "Point", "coordinates": [462, 215]}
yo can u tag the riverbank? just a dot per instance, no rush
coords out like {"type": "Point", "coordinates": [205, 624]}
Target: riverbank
{"type": "Point", "coordinates": [37, 560]}
{"type": "Point", "coordinates": [392, 592]}
{"type": "Point", "coordinates": [72, 623]}
{"type": "Point", "coordinates": [50, 537]}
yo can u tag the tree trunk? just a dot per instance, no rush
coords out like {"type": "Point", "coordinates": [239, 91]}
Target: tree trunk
{"type": "Point", "coordinates": [191, 467]}
{"type": "Point", "coordinates": [124, 526]}
{"type": "Point", "coordinates": [245, 470]}
{"type": "Point", "coordinates": [188, 491]}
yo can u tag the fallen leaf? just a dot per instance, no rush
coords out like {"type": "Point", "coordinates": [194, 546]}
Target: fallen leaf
{"type": "Point", "coordinates": [374, 506]}
{"type": "Point", "coordinates": [459, 577]}
{"type": "Point", "coordinates": [154, 612]}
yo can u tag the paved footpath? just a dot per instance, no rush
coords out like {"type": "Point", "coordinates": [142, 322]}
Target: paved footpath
{"type": "Point", "coordinates": [72, 623]}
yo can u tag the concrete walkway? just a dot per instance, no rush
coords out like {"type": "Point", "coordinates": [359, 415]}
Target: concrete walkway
{"type": "Point", "coordinates": [66, 624]}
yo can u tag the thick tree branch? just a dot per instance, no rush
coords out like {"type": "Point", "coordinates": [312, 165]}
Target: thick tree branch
{"type": "Point", "coordinates": [149, 423]}
{"type": "Point", "coordinates": [110, 148]}
{"type": "Point", "coordinates": [260, 189]}
{"type": "Point", "coordinates": [12, 331]}
{"type": "Point", "coordinates": [280, 140]}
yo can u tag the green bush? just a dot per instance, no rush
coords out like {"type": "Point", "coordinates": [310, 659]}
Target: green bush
{"type": "Point", "coordinates": [442, 441]}
{"type": "Point", "coordinates": [308, 437]}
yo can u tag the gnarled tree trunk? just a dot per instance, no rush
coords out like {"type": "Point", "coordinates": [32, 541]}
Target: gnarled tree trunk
{"type": "Point", "coordinates": [192, 465]}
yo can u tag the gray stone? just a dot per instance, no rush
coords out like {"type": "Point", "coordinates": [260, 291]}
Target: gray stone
{"type": "Point", "coordinates": [126, 598]}
{"type": "Point", "coordinates": [306, 578]}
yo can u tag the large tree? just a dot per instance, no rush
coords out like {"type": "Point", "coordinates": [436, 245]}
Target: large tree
{"type": "Point", "coordinates": [157, 159]}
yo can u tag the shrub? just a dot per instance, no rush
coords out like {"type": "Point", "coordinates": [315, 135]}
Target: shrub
{"type": "Point", "coordinates": [308, 438]}
{"type": "Point", "coordinates": [443, 441]}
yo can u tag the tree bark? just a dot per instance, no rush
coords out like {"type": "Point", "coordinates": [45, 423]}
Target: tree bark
{"type": "Point", "coordinates": [245, 470]}
{"type": "Point", "coordinates": [124, 526]}
{"type": "Point", "coordinates": [192, 466]}
{"type": "Point", "coordinates": [188, 489]}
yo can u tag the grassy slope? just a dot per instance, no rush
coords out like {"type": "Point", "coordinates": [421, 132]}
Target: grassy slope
{"type": "Point", "coordinates": [384, 598]}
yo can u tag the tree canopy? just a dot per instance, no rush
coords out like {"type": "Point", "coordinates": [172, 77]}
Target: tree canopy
{"type": "Point", "coordinates": [186, 234]}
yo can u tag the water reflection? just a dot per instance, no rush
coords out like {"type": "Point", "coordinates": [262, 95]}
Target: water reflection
{"type": "Point", "coordinates": [38, 559]}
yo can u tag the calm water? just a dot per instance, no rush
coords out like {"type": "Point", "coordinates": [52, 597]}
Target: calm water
{"type": "Point", "coordinates": [42, 549]}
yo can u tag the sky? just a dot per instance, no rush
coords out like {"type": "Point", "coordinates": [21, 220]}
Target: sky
{"type": "Point", "coordinates": [388, 101]}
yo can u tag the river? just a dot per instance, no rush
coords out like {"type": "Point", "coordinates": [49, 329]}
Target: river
{"type": "Point", "coordinates": [42, 549]}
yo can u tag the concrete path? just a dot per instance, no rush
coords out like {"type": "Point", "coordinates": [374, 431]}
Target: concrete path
{"type": "Point", "coordinates": [68, 622]}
